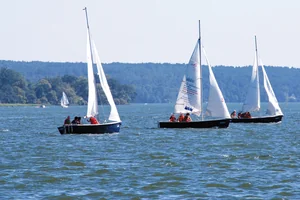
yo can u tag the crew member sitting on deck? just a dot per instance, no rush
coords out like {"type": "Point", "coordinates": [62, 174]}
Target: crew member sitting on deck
{"type": "Point", "coordinates": [93, 120]}
{"type": "Point", "coordinates": [172, 118]}
{"type": "Point", "coordinates": [187, 118]}
{"type": "Point", "coordinates": [245, 115]}
{"type": "Point", "coordinates": [74, 120]}
{"type": "Point", "coordinates": [233, 114]}
{"type": "Point", "coordinates": [180, 118]}
{"type": "Point", "coordinates": [240, 115]}
{"type": "Point", "coordinates": [67, 120]}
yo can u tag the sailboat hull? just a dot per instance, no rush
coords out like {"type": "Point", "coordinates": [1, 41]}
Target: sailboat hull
{"type": "Point", "coordinates": [221, 123]}
{"type": "Point", "coordinates": [271, 119]}
{"type": "Point", "coordinates": [90, 128]}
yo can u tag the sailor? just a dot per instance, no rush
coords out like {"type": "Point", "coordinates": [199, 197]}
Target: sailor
{"type": "Point", "coordinates": [180, 118]}
{"type": "Point", "coordinates": [172, 118]}
{"type": "Point", "coordinates": [67, 120]}
{"type": "Point", "coordinates": [93, 120]}
{"type": "Point", "coordinates": [187, 117]}
{"type": "Point", "coordinates": [233, 114]}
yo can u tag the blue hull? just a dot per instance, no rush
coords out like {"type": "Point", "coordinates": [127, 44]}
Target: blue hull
{"type": "Point", "coordinates": [90, 128]}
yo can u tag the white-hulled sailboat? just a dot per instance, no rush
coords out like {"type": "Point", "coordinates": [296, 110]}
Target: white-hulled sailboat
{"type": "Point", "coordinates": [113, 123]}
{"type": "Point", "coordinates": [190, 96]}
{"type": "Point", "coordinates": [252, 102]}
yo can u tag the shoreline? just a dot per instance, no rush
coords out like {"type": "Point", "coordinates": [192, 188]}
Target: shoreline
{"type": "Point", "coordinates": [17, 104]}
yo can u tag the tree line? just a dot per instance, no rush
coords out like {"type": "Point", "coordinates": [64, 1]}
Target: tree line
{"type": "Point", "coordinates": [160, 82]}
{"type": "Point", "coordinates": [14, 88]}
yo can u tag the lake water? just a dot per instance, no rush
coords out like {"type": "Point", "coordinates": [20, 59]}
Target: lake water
{"type": "Point", "coordinates": [244, 161]}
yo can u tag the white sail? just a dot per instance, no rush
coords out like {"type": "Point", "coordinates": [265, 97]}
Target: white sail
{"type": "Point", "coordinates": [114, 115]}
{"type": "Point", "coordinates": [273, 106]}
{"type": "Point", "coordinates": [188, 100]}
{"type": "Point", "coordinates": [182, 98]}
{"type": "Point", "coordinates": [64, 102]}
{"type": "Point", "coordinates": [252, 102]}
{"type": "Point", "coordinates": [92, 107]}
{"type": "Point", "coordinates": [216, 106]}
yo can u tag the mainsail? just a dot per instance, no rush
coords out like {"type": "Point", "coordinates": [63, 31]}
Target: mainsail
{"type": "Point", "coordinates": [188, 100]}
{"type": "Point", "coordinates": [92, 106]}
{"type": "Point", "coordinates": [182, 98]}
{"type": "Point", "coordinates": [252, 102]}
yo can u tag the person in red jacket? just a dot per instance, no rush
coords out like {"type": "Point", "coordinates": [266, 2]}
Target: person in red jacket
{"type": "Point", "coordinates": [93, 120]}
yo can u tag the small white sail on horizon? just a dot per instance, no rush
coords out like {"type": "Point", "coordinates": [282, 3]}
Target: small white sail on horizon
{"type": "Point", "coordinates": [64, 102]}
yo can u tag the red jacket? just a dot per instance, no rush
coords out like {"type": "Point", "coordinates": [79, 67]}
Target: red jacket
{"type": "Point", "coordinates": [93, 120]}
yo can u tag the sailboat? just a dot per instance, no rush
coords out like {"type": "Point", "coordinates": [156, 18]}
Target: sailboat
{"type": "Point", "coordinates": [113, 123]}
{"type": "Point", "coordinates": [64, 102]}
{"type": "Point", "coordinates": [252, 102]}
{"type": "Point", "coordinates": [190, 96]}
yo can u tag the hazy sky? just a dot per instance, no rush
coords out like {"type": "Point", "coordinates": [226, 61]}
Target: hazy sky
{"type": "Point", "coordinates": [151, 30]}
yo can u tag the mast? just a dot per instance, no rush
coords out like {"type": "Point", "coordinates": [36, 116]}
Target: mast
{"type": "Point", "coordinates": [257, 75]}
{"type": "Point", "coordinates": [256, 51]}
{"type": "Point", "coordinates": [88, 28]}
{"type": "Point", "coordinates": [201, 88]}
{"type": "Point", "coordinates": [92, 106]}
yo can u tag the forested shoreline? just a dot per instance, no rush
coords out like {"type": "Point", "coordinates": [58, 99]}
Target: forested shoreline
{"type": "Point", "coordinates": [15, 89]}
{"type": "Point", "coordinates": [137, 82]}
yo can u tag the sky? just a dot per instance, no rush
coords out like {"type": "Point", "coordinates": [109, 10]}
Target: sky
{"type": "Point", "coordinates": [158, 31]}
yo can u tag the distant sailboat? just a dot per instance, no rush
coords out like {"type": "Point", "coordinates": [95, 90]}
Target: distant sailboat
{"type": "Point", "coordinates": [252, 102]}
{"type": "Point", "coordinates": [113, 123]}
{"type": "Point", "coordinates": [64, 102]}
{"type": "Point", "coordinates": [190, 96]}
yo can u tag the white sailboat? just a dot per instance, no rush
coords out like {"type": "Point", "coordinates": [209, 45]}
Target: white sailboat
{"type": "Point", "coordinates": [113, 122]}
{"type": "Point", "coordinates": [190, 96]}
{"type": "Point", "coordinates": [252, 102]}
{"type": "Point", "coordinates": [64, 102]}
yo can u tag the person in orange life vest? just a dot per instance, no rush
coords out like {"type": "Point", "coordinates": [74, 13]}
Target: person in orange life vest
{"type": "Point", "coordinates": [93, 120]}
{"type": "Point", "coordinates": [67, 120]}
{"type": "Point", "coordinates": [181, 117]}
{"type": "Point", "coordinates": [187, 118]}
{"type": "Point", "coordinates": [172, 118]}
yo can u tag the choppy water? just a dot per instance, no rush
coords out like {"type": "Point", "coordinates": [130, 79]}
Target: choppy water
{"type": "Point", "coordinates": [245, 161]}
